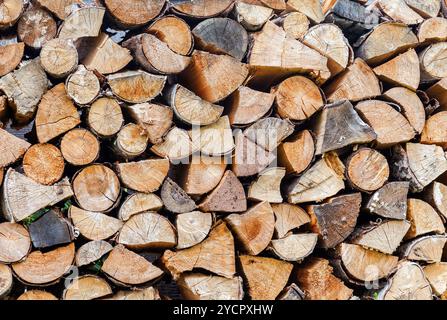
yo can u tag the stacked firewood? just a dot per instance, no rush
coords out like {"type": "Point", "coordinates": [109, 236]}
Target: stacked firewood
{"type": "Point", "coordinates": [222, 149]}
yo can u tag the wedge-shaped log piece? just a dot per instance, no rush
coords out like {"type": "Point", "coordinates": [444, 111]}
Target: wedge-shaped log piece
{"type": "Point", "coordinates": [436, 196]}
{"type": "Point", "coordinates": [155, 118]}
{"type": "Point", "coordinates": [105, 117]}
{"type": "Point", "coordinates": [22, 196]}
{"type": "Point", "coordinates": [192, 109]}
{"type": "Point", "coordinates": [11, 55]}
{"type": "Point", "coordinates": [323, 180]}
{"type": "Point", "coordinates": [390, 201]}
{"type": "Point", "coordinates": [11, 148]}
{"type": "Point", "coordinates": [175, 32]}
{"type": "Point", "coordinates": [433, 132]}
{"type": "Point", "coordinates": [144, 176]}
{"type": "Point", "coordinates": [215, 254]}
{"type": "Point", "coordinates": [36, 27]}
{"type": "Point", "coordinates": [149, 293]}
{"type": "Point", "coordinates": [436, 274]}
{"type": "Point", "coordinates": [94, 225]}
{"type": "Point", "coordinates": [57, 7]}
{"type": "Point", "coordinates": [36, 295]}
{"type": "Point", "coordinates": [297, 153]}
{"type": "Point", "coordinates": [213, 77]}
{"type": "Point", "coordinates": [296, 25]}
{"type": "Point", "coordinates": [426, 8]}
{"type": "Point", "coordinates": [252, 16]}
{"type": "Point", "coordinates": [338, 126]}
{"type": "Point", "coordinates": [197, 286]}
{"type": "Point", "coordinates": [364, 264]}
{"type": "Point", "coordinates": [292, 292]}
{"type": "Point", "coordinates": [357, 82]}
{"type": "Point", "coordinates": [91, 252]}
{"type": "Point", "coordinates": [15, 242]}
{"type": "Point", "coordinates": [56, 114]}
{"type": "Point", "coordinates": [265, 277]}
{"type": "Point", "coordinates": [390, 125]}
{"type": "Point", "coordinates": [11, 11]}
{"type": "Point", "coordinates": [399, 11]}
{"type": "Point", "coordinates": [228, 196]}
{"type": "Point", "coordinates": [87, 287]}
{"type": "Point", "coordinates": [177, 145]}
{"type": "Point", "coordinates": [83, 22]}
{"type": "Point", "coordinates": [134, 13]}
{"type": "Point", "coordinates": [408, 283]}
{"type": "Point", "coordinates": [215, 139]}
{"type": "Point", "coordinates": [175, 199]}
{"type": "Point", "coordinates": [438, 91]}
{"type": "Point", "coordinates": [432, 68]}
{"type": "Point", "coordinates": [385, 236]}
{"type": "Point", "coordinates": [80, 147]}
{"type": "Point", "coordinates": [57, 262]}
{"type": "Point", "coordinates": [335, 220]}
{"type": "Point", "coordinates": [83, 86]}
{"type": "Point", "coordinates": [433, 30]}
{"type": "Point", "coordinates": [131, 141]}
{"type": "Point", "coordinates": [311, 8]}
{"type": "Point", "coordinates": [424, 219]}
{"type": "Point", "coordinates": [254, 228]}
{"type": "Point", "coordinates": [427, 249]}
{"type": "Point", "coordinates": [402, 70]}
{"type": "Point", "coordinates": [277, 5]}
{"type": "Point", "coordinates": [269, 132]}
{"type": "Point", "coordinates": [386, 41]}
{"type": "Point", "coordinates": [203, 8]}
{"type": "Point", "coordinates": [267, 186]}
{"type": "Point", "coordinates": [192, 228]}
{"type": "Point", "coordinates": [419, 164]}
{"type": "Point", "coordinates": [136, 86]}
{"type": "Point", "coordinates": [294, 247]}
{"type": "Point", "coordinates": [138, 203]}
{"type": "Point", "coordinates": [129, 268]}
{"type": "Point", "coordinates": [275, 54]}
{"type": "Point", "coordinates": [24, 88]}
{"type": "Point", "coordinates": [288, 217]}
{"type": "Point", "coordinates": [50, 230]}
{"type": "Point", "coordinates": [148, 230]}
{"type": "Point", "coordinates": [318, 282]}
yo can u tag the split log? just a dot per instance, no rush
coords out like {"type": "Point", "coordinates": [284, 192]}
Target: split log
{"type": "Point", "coordinates": [385, 236]}
{"type": "Point", "coordinates": [56, 114]}
{"type": "Point", "coordinates": [251, 16]}
{"type": "Point", "coordinates": [335, 220]}
{"type": "Point", "coordinates": [15, 243]}
{"type": "Point", "coordinates": [277, 5]}
{"type": "Point", "coordinates": [143, 176]}
{"type": "Point", "coordinates": [338, 126]}
{"type": "Point", "coordinates": [221, 36]}
{"type": "Point", "coordinates": [57, 262]}
{"type": "Point", "coordinates": [138, 203]}
{"type": "Point", "coordinates": [136, 86]}
{"type": "Point", "coordinates": [58, 7]}
{"type": "Point", "coordinates": [175, 199]}
{"type": "Point", "coordinates": [22, 196]}
{"type": "Point", "coordinates": [323, 180]}
{"type": "Point", "coordinates": [6, 280]}
{"type": "Point", "coordinates": [215, 139]}
{"type": "Point", "coordinates": [175, 32]}
{"type": "Point", "coordinates": [105, 117]}
{"type": "Point", "coordinates": [269, 132]}
{"type": "Point", "coordinates": [96, 188]}
{"type": "Point", "coordinates": [436, 275]}
{"type": "Point", "coordinates": [248, 105]}
{"type": "Point", "coordinates": [267, 186]}
{"type": "Point", "coordinates": [215, 254]}
{"type": "Point", "coordinates": [427, 249]}
{"type": "Point", "coordinates": [401, 71]}
{"type": "Point", "coordinates": [399, 11]}
{"type": "Point", "coordinates": [296, 154]}
{"type": "Point", "coordinates": [91, 252]}
{"type": "Point", "coordinates": [50, 230]}
{"type": "Point", "coordinates": [44, 163]}
{"type": "Point", "coordinates": [438, 92]}
{"type": "Point", "coordinates": [128, 268]}
{"type": "Point", "coordinates": [155, 55]}
{"type": "Point", "coordinates": [59, 57]}
{"type": "Point", "coordinates": [156, 119]}
{"type": "Point", "coordinates": [390, 125]}
{"type": "Point", "coordinates": [408, 283]}
{"type": "Point", "coordinates": [36, 27]}
{"type": "Point", "coordinates": [292, 292]}
{"type": "Point", "coordinates": [176, 146]}
{"type": "Point", "coordinates": [147, 231]}
{"type": "Point", "coordinates": [424, 219]}
{"type": "Point", "coordinates": [265, 277]}
{"type": "Point", "coordinates": [436, 196]}
{"type": "Point", "coordinates": [254, 228]}
{"type": "Point", "coordinates": [131, 141]}
{"type": "Point", "coordinates": [318, 282]}
{"type": "Point", "coordinates": [426, 9]}
{"type": "Point", "coordinates": [433, 132]}
{"type": "Point", "coordinates": [213, 77]}
{"type": "Point", "coordinates": [329, 40]}
{"type": "Point", "coordinates": [357, 82]}
{"type": "Point", "coordinates": [294, 247]}
{"type": "Point", "coordinates": [296, 25]}
{"type": "Point", "coordinates": [94, 225]}
{"type": "Point", "coordinates": [390, 201]}
{"type": "Point", "coordinates": [11, 148]}
{"type": "Point", "coordinates": [228, 196]}
{"type": "Point", "coordinates": [82, 22]}
{"type": "Point", "coordinates": [297, 98]}
{"type": "Point", "coordinates": [203, 8]}
{"type": "Point", "coordinates": [11, 11]}
{"type": "Point", "coordinates": [83, 86]}
{"type": "Point", "coordinates": [192, 109]}
{"type": "Point", "coordinates": [80, 147]}
{"type": "Point", "coordinates": [24, 89]}
{"type": "Point", "coordinates": [202, 174]}
{"type": "Point", "coordinates": [105, 56]}
{"type": "Point", "coordinates": [197, 286]}
{"type": "Point", "coordinates": [433, 30]}
{"type": "Point", "coordinates": [149, 293]}
{"type": "Point", "coordinates": [311, 8]}
{"type": "Point", "coordinates": [367, 170]}
{"type": "Point", "coordinates": [288, 217]}
{"type": "Point", "coordinates": [386, 41]}
{"type": "Point", "coordinates": [411, 106]}
{"type": "Point", "coordinates": [192, 228]}
{"type": "Point", "coordinates": [134, 13]}
{"type": "Point", "coordinates": [366, 265]}
{"type": "Point", "coordinates": [432, 68]}
{"type": "Point", "coordinates": [86, 287]}
{"type": "Point", "coordinates": [418, 163]}
{"type": "Point", "coordinates": [36, 295]}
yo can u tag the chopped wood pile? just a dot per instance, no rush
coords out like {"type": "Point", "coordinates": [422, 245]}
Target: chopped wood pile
{"type": "Point", "coordinates": [223, 149]}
